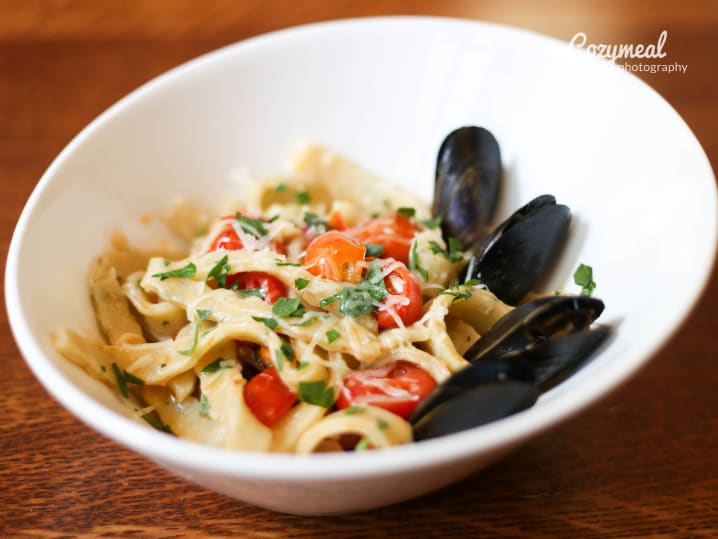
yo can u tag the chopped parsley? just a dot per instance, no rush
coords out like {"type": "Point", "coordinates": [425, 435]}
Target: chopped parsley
{"type": "Point", "coordinates": [313, 220]}
{"type": "Point", "coordinates": [362, 298]}
{"type": "Point", "coordinates": [186, 271]}
{"type": "Point", "coordinates": [583, 277]}
{"type": "Point", "coordinates": [286, 349]}
{"type": "Point", "coordinates": [189, 352]}
{"type": "Point", "coordinates": [156, 423]}
{"type": "Point", "coordinates": [203, 405]}
{"type": "Point", "coordinates": [306, 322]}
{"type": "Point", "coordinates": [248, 292]}
{"type": "Point", "coordinates": [302, 365]}
{"type": "Point", "coordinates": [333, 335]}
{"type": "Point", "coordinates": [214, 366]}
{"type": "Point", "coordinates": [362, 445]}
{"type": "Point", "coordinates": [271, 323]}
{"type": "Point", "coordinates": [303, 197]}
{"type": "Point", "coordinates": [381, 424]}
{"type": "Point", "coordinates": [432, 223]}
{"type": "Point", "coordinates": [285, 307]}
{"type": "Point", "coordinates": [316, 393]}
{"type": "Point", "coordinates": [166, 262]}
{"type": "Point", "coordinates": [374, 249]}
{"type": "Point", "coordinates": [255, 227]}
{"type": "Point", "coordinates": [219, 271]}
{"type": "Point", "coordinates": [121, 380]}
{"type": "Point", "coordinates": [354, 410]}
{"type": "Point", "coordinates": [280, 188]}
{"type": "Point", "coordinates": [458, 291]}
{"type": "Point", "coordinates": [300, 283]}
{"type": "Point", "coordinates": [203, 313]}
{"type": "Point", "coordinates": [414, 261]}
{"type": "Point", "coordinates": [282, 263]}
{"type": "Point", "coordinates": [406, 212]}
{"type": "Point", "coordinates": [452, 254]}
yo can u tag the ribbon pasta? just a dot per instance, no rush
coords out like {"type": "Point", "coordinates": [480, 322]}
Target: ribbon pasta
{"type": "Point", "coordinates": [182, 345]}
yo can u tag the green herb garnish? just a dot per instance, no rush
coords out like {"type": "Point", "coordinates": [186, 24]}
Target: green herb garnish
{"type": "Point", "coordinates": [362, 445]}
{"type": "Point", "coordinates": [156, 423]}
{"type": "Point", "coordinates": [203, 313]}
{"type": "Point", "coordinates": [248, 292]}
{"type": "Point", "coordinates": [316, 393]}
{"type": "Point", "coordinates": [203, 405]}
{"type": "Point", "coordinates": [302, 365]}
{"type": "Point", "coordinates": [583, 277]}
{"type": "Point", "coordinates": [186, 271]}
{"type": "Point", "coordinates": [381, 424]}
{"type": "Point", "coordinates": [285, 307]}
{"type": "Point", "coordinates": [362, 298]}
{"type": "Point", "coordinates": [303, 197]}
{"type": "Point", "coordinates": [286, 349]}
{"type": "Point", "coordinates": [452, 254]}
{"type": "Point", "coordinates": [271, 323]}
{"type": "Point", "coordinates": [214, 366]}
{"type": "Point", "coordinates": [281, 187]}
{"type": "Point", "coordinates": [255, 227]}
{"type": "Point", "coordinates": [219, 271]}
{"type": "Point", "coordinates": [333, 335]}
{"type": "Point", "coordinates": [121, 380]}
{"type": "Point", "coordinates": [313, 220]}
{"type": "Point", "coordinates": [354, 410]}
{"type": "Point", "coordinates": [189, 352]}
{"type": "Point", "coordinates": [306, 322]}
{"type": "Point", "coordinates": [300, 283]}
{"type": "Point", "coordinates": [132, 379]}
{"type": "Point", "coordinates": [414, 261]}
{"type": "Point", "coordinates": [406, 212]}
{"type": "Point", "coordinates": [457, 291]}
{"type": "Point", "coordinates": [373, 249]}
{"type": "Point", "coordinates": [281, 263]}
{"type": "Point", "coordinates": [432, 223]}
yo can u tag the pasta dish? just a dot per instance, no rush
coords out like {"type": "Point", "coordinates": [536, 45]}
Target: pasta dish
{"type": "Point", "coordinates": [313, 316]}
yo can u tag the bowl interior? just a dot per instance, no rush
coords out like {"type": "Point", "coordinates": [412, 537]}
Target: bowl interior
{"type": "Point", "coordinates": [383, 92]}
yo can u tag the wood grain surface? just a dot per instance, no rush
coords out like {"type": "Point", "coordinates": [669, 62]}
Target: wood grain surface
{"type": "Point", "coordinates": [641, 463]}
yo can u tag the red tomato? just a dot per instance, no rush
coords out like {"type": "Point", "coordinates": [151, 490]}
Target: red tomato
{"type": "Point", "coordinates": [267, 397]}
{"type": "Point", "coordinates": [335, 256]}
{"type": "Point", "coordinates": [397, 387]}
{"type": "Point", "coordinates": [394, 231]}
{"type": "Point", "coordinates": [228, 240]}
{"type": "Point", "coordinates": [271, 287]}
{"type": "Point", "coordinates": [400, 282]}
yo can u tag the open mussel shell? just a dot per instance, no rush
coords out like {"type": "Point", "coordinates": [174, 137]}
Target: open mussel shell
{"type": "Point", "coordinates": [536, 322]}
{"type": "Point", "coordinates": [468, 181]}
{"type": "Point", "coordinates": [476, 407]}
{"type": "Point", "coordinates": [521, 250]}
{"type": "Point", "coordinates": [500, 385]}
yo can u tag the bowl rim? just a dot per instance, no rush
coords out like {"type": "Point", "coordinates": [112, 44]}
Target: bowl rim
{"type": "Point", "coordinates": [469, 444]}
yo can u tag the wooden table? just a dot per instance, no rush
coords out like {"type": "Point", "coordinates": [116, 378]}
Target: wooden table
{"type": "Point", "coordinates": [642, 462]}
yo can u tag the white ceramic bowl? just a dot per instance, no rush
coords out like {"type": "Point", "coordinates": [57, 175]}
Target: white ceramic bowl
{"type": "Point", "coordinates": [384, 92]}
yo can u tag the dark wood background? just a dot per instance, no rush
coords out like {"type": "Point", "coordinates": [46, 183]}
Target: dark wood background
{"type": "Point", "coordinates": [642, 462]}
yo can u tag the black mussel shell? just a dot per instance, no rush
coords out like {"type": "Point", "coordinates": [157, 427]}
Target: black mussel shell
{"type": "Point", "coordinates": [482, 372]}
{"type": "Point", "coordinates": [468, 181]}
{"type": "Point", "coordinates": [521, 250]}
{"type": "Point", "coordinates": [476, 407]}
{"type": "Point", "coordinates": [536, 322]}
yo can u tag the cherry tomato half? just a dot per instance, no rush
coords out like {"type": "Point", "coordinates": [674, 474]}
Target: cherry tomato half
{"type": "Point", "coordinates": [335, 256]}
{"type": "Point", "coordinates": [397, 387]}
{"type": "Point", "coordinates": [267, 397]}
{"type": "Point", "coordinates": [400, 282]}
{"type": "Point", "coordinates": [394, 231]}
{"type": "Point", "coordinates": [272, 288]}
{"type": "Point", "coordinates": [228, 240]}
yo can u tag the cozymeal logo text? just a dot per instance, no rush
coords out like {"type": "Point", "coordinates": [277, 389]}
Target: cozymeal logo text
{"type": "Point", "coordinates": [622, 51]}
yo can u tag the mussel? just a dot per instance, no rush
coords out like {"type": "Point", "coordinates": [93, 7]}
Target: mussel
{"type": "Point", "coordinates": [523, 354]}
{"type": "Point", "coordinates": [537, 344]}
{"type": "Point", "coordinates": [468, 181]}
